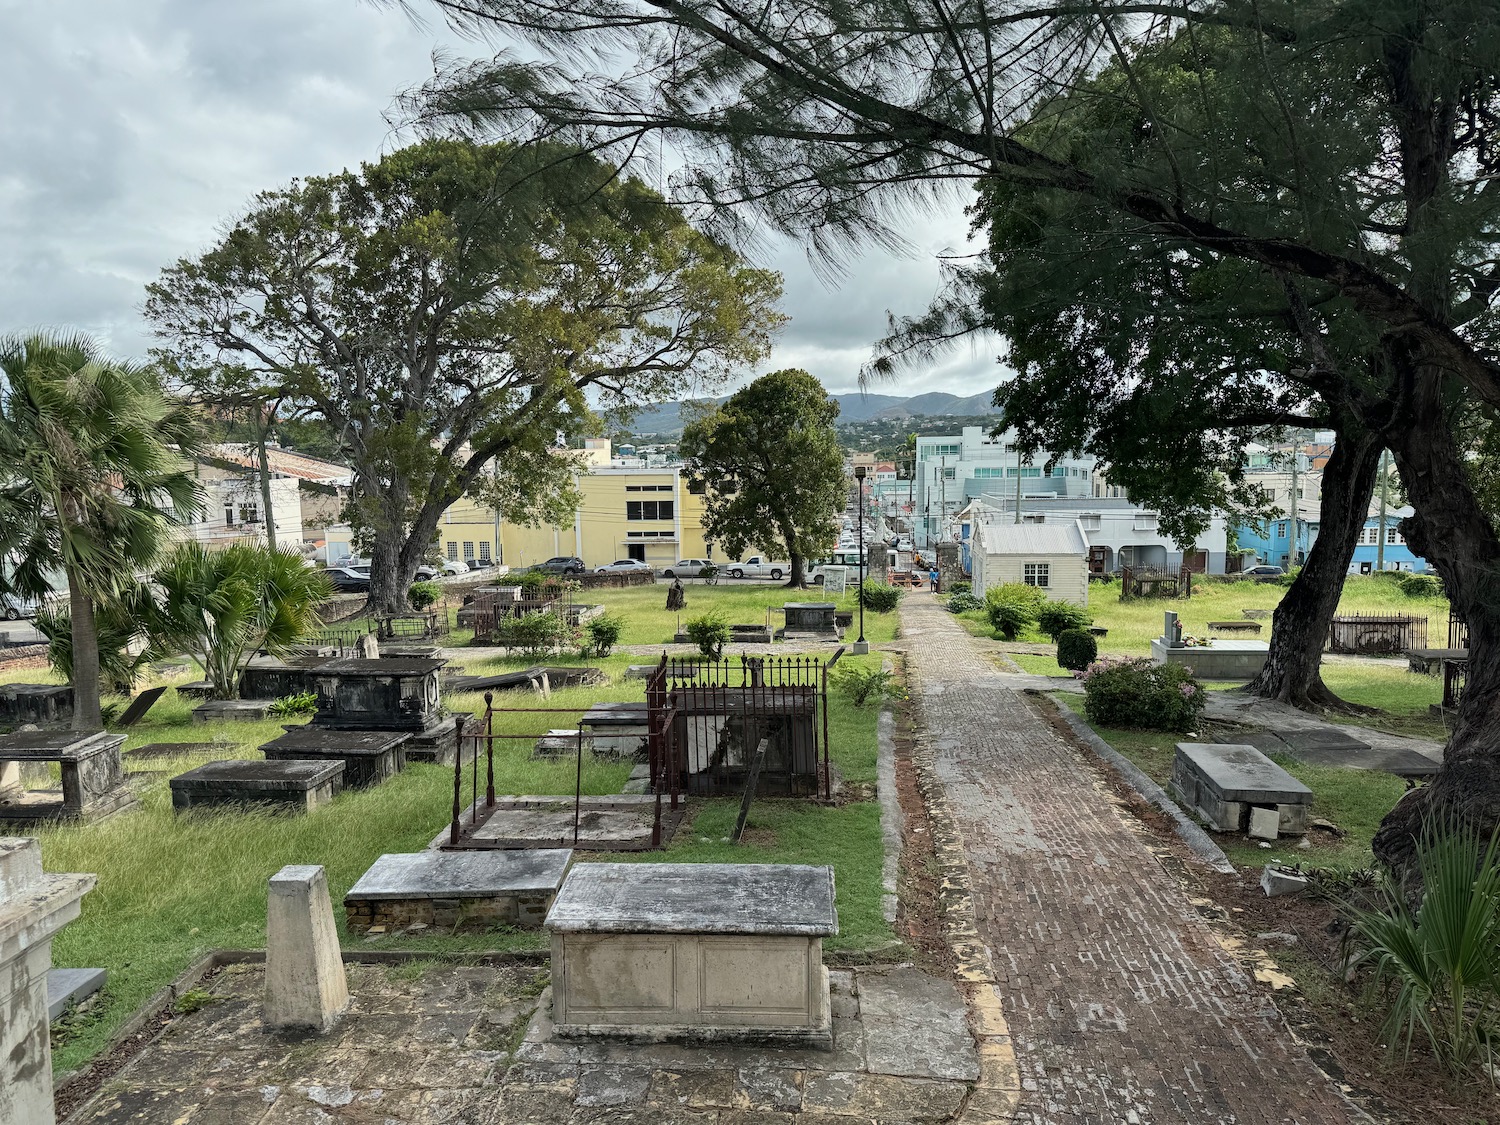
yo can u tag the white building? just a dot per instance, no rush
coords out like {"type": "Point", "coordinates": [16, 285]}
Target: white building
{"type": "Point", "coordinates": [1119, 533]}
{"type": "Point", "coordinates": [1053, 557]}
{"type": "Point", "coordinates": [234, 507]}
{"type": "Point", "coordinates": [953, 470]}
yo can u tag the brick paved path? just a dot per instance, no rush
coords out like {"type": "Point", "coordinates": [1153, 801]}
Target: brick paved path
{"type": "Point", "coordinates": [1122, 1007]}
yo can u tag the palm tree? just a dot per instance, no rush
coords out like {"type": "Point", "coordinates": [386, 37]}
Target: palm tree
{"type": "Point", "coordinates": [92, 482]}
{"type": "Point", "coordinates": [220, 606]}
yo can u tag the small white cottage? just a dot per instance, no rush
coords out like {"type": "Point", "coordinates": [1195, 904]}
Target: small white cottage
{"type": "Point", "coordinates": [1054, 557]}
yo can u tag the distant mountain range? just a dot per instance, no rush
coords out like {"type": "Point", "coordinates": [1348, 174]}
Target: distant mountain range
{"type": "Point", "coordinates": [665, 419]}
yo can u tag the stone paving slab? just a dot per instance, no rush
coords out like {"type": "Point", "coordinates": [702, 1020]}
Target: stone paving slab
{"type": "Point", "coordinates": [916, 1026]}
{"type": "Point", "coordinates": [1121, 1004]}
{"type": "Point", "coordinates": [467, 1045]}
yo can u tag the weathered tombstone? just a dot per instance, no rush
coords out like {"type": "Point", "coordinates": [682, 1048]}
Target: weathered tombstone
{"type": "Point", "coordinates": [367, 647]}
{"type": "Point", "coordinates": [33, 907]}
{"type": "Point", "coordinates": [306, 986]}
{"type": "Point", "coordinates": [1171, 629]}
{"type": "Point", "coordinates": [93, 780]}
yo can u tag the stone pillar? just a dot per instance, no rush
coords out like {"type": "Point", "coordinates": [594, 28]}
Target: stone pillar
{"type": "Point", "coordinates": [950, 563]}
{"type": "Point", "coordinates": [33, 907]}
{"type": "Point", "coordinates": [306, 987]}
{"type": "Point", "coordinates": [877, 562]}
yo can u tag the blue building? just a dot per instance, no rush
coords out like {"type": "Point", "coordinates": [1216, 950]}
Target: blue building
{"type": "Point", "coordinates": [1272, 542]}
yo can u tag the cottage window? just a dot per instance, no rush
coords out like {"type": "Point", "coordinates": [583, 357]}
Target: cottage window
{"type": "Point", "coordinates": [1036, 574]}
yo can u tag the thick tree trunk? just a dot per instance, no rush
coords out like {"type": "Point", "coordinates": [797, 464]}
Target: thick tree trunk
{"type": "Point", "coordinates": [1300, 624]}
{"type": "Point", "coordinates": [397, 553]}
{"type": "Point", "coordinates": [798, 577]}
{"type": "Point", "coordinates": [87, 714]}
{"type": "Point", "coordinates": [1451, 530]}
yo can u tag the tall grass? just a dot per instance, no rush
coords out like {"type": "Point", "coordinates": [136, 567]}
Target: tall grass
{"type": "Point", "coordinates": [1439, 964]}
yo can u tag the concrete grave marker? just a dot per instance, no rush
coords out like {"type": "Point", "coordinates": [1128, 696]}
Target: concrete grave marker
{"type": "Point", "coordinates": [306, 986]}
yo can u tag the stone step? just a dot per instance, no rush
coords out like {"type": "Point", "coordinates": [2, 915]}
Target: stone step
{"type": "Point", "coordinates": [67, 987]}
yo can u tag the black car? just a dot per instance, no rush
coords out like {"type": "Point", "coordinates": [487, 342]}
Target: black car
{"type": "Point", "coordinates": [348, 580]}
{"type": "Point", "coordinates": [562, 564]}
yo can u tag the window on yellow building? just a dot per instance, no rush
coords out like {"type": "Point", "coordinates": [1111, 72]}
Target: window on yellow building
{"type": "Point", "coordinates": [648, 509]}
{"type": "Point", "coordinates": [452, 551]}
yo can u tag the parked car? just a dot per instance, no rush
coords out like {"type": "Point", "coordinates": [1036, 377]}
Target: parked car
{"type": "Point", "coordinates": [624, 566]}
{"type": "Point", "coordinates": [455, 566]}
{"type": "Point", "coordinates": [561, 564]}
{"type": "Point", "coordinates": [688, 568]}
{"type": "Point", "coordinates": [757, 566]}
{"type": "Point", "coordinates": [348, 579]}
{"type": "Point", "coordinates": [427, 572]}
{"type": "Point", "coordinates": [480, 564]}
{"type": "Point", "coordinates": [16, 606]}
{"type": "Point", "coordinates": [1264, 570]}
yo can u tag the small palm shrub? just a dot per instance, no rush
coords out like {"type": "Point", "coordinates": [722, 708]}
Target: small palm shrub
{"type": "Point", "coordinates": [862, 684]}
{"type": "Point", "coordinates": [1438, 967]}
{"type": "Point", "coordinates": [1076, 649]}
{"type": "Point", "coordinates": [302, 703]}
{"type": "Point", "coordinates": [1012, 607]}
{"type": "Point", "coordinates": [423, 594]}
{"type": "Point", "coordinates": [964, 602]}
{"type": "Point", "coordinates": [1421, 585]}
{"type": "Point", "coordinates": [1055, 618]}
{"type": "Point", "coordinates": [602, 634]}
{"type": "Point", "coordinates": [710, 633]}
{"type": "Point", "coordinates": [1140, 694]}
{"type": "Point", "coordinates": [879, 597]}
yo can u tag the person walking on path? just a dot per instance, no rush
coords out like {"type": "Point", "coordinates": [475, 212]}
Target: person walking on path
{"type": "Point", "coordinates": [1122, 1005]}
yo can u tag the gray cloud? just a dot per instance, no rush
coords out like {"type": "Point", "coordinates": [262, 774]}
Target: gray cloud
{"type": "Point", "coordinates": [133, 132]}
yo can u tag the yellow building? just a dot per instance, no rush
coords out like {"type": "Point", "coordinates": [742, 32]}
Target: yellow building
{"type": "Point", "coordinates": [624, 513]}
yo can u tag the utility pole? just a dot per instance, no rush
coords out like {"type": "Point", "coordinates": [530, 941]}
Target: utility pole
{"type": "Point", "coordinates": [1385, 483]}
{"type": "Point", "coordinates": [1018, 486]}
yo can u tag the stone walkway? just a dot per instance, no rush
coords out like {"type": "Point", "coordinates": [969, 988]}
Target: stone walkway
{"type": "Point", "coordinates": [1122, 1005]}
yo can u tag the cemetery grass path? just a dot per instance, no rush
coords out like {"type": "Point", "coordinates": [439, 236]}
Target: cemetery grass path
{"type": "Point", "coordinates": [1122, 1005]}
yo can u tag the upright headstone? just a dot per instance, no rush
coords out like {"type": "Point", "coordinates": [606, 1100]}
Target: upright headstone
{"type": "Point", "coordinates": [33, 907]}
{"type": "Point", "coordinates": [367, 647]}
{"type": "Point", "coordinates": [1171, 629]}
{"type": "Point", "coordinates": [306, 987]}
{"type": "Point", "coordinates": [877, 562]}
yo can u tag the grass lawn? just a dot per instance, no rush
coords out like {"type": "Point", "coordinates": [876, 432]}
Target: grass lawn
{"type": "Point", "coordinates": [1404, 696]}
{"type": "Point", "coordinates": [174, 887]}
{"type": "Point", "coordinates": [1355, 800]}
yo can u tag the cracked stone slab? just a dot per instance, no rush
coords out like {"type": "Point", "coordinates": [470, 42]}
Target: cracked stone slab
{"type": "Point", "coordinates": [916, 1026]}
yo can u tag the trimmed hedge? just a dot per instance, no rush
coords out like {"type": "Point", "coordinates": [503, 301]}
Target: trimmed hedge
{"type": "Point", "coordinates": [1076, 649]}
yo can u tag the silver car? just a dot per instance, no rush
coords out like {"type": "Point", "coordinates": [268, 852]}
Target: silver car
{"type": "Point", "coordinates": [624, 566]}
{"type": "Point", "coordinates": [687, 568]}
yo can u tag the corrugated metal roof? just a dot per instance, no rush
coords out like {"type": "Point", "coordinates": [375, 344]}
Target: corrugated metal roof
{"type": "Point", "coordinates": [1032, 538]}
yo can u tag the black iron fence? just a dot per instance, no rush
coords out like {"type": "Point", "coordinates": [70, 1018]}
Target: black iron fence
{"type": "Point", "coordinates": [1377, 634]}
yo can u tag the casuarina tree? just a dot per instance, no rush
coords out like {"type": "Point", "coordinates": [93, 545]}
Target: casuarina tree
{"type": "Point", "coordinates": [771, 468]}
{"type": "Point", "coordinates": [92, 483]}
{"type": "Point", "coordinates": [1349, 149]}
{"type": "Point", "coordinates": [453, 308]}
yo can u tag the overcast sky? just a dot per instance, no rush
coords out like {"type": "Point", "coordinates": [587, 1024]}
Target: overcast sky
{"type": "Point", "coordinates": [130, 132]}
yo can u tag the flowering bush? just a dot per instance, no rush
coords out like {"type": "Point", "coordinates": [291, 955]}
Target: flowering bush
{"type": "Point", "coordinates": [1141, 694]}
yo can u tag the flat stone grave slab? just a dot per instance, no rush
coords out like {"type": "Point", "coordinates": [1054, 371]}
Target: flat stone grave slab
{"type": "Point", "coordinates": [232, 710]}
{"type": "Point", "coordinates": [617, 822]}
{"type": "Point", "coordinates": [172, 750]}
{"type": "Point", "coordinates": [1334, 749]}
{"type": "Point", "coordinates": [619, 730]}
{"type": "Point", "coordinates": [437, 742]}
{"type": "Point", "coordinates": [560, 743]}
{"type": "Point", "coordinates": [396, 693]}
{"type": "Point", "coordinates": [810, 617]}
{"type": "Point", "coordinates": [1222, 782]}
{"type": "Point", "coordinates": [36, 703]}
{"type": "Point", "coordinates": [369, 756]}
{"type": "Point", "coordinates": [916, 1025]}
{"type": "Point", "coordinates": [719, 951]}
{"type": "Point", "coordinates": [458, 890]}
{"type": "Point", "coordinates": [67, 987]}
{"type": "Point", "coordinates": [285, 784]}
{"type": "Point", "coordinates": [1224, 659]}
{"type": "Point", "coordinates": [93, 777]}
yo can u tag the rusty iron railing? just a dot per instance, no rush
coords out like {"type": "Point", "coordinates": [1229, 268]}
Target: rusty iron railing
{"type": "Point", "coordinates": [1376, 633]}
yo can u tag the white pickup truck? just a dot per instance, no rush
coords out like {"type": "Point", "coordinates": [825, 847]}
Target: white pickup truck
{"type": "Point", "coordinates": [757, 566]}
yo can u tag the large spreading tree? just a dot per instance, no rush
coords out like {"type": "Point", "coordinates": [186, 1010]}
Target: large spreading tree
{"type": "Point", "coordinates": [771, 468]}
{"type": "Point", "coordinates": [454, 308]}
{"type": "Point", "coordinates": [92, 485]}
{"type": "Point", "coordinates": [1349, 147]}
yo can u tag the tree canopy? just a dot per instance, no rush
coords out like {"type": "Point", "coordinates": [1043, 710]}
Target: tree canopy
{"type": "Point", "coordinates": [455, 306]}
{"type": "Point", "coordinates": [771, 468]}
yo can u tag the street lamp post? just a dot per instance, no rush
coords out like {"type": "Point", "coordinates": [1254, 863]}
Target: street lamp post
{"type": "Point", "coordinates": [860, 646]}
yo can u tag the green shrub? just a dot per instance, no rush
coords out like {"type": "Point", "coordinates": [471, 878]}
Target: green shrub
{"type": "Point", "coordinates": [603, 634]}
{"type": "Point", "coordinates": [303, 703]}
{"type": "Point", "coordinates": [423, 594]}
{"type": "Point", "coordinates": [963, 602]}
{"type": "Point", "coordinates": [531, 582]}
{"type": "Point", "coordinates": [1439, 969]}
{"type": "Point", "coordinates": [710, 633]}
{"type": "Point", "coordinates": [1012, 607]}
{"type": "Point", "coordinates": [961, 588]}
{"type": "Point", "coordinates": [862, 684]}
{"type": "Point", "coordinates": [535, 634]}
{"type": "Point", "coordinates": [1289, 577]}
{"type": "Point", "coordinates": [1076, 649]}
{"type": "Point", "coordinates": [878, 596]}
{"type": "Point", "coordinates": [1421, 585]}
{"type": "Point", "coordinates": [1142, 695]}
{"type": "Point", "coordinates": [1055, 618]}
